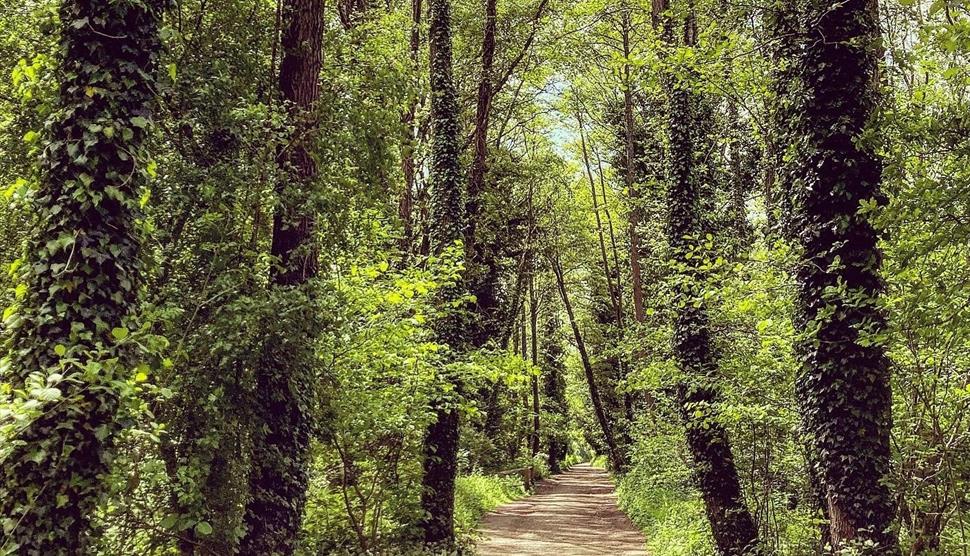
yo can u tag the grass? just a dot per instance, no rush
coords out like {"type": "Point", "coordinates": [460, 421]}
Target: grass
{"type": "Point", "coordinates": [476, 495]}
{"type": "Point", "coordinates": [673, 522]}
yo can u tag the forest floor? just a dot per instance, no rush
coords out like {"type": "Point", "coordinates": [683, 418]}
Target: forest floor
{"type": "Point", "coordinates": [573, 514]}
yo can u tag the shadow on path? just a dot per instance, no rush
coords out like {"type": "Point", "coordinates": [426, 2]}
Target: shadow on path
{"type": "Point", "coordinates": [573, 514]}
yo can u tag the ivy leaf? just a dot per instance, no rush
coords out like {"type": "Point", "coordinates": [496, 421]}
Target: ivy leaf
{"type": "Point", "coordinates": [119, 333]}
{"type": "Point", "coordinates": [203, 528]}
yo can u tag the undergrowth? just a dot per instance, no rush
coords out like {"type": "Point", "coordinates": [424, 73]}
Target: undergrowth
{"type": "Point", "coordinates": [476, 495]}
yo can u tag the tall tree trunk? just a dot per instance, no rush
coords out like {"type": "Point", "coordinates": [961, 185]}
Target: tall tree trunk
{"type": "Point", "coordinates": [280, 462]}
{"type": "Point", "coordinates": [533, 325]}
{"type": "Point", "coordinates": [617, 458]}
{"type": "Point", "coordinates": [405, 207]}
{"type": "Point", "coordinates": [629, 176]}
{"type": "Point", "coordinates": [83, 271]}
{"type": "Point", "coordinates": [447, 227]}
{"type": "Point", "coordinates": [732, 526]}
{"type": "Point", "coordinates": [844, 383]}
{"type": "Point", "coordinates": [483, 108]}
{"type": "Point", "coordinates": [483, 268]}
{"type": "Point", "coordinates": [607, 273]}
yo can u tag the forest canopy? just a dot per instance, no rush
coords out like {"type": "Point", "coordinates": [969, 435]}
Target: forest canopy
{"type": "Point", "coordinates": [305, 277]}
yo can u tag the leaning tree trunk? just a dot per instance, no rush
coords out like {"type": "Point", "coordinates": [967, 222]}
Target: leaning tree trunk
{"type": "Point", "coordinates": [282, 401]}
{"type": "Point", "coordinates": [447, 228]}
{"type": "Point", "coordinates": [844, 383]}
{"type": "Point", "coordinates": [82, 273]}
{"type": "Point", "coordinates": [617, 457]}
{"type": "Point", "coordinates": [732, 526]}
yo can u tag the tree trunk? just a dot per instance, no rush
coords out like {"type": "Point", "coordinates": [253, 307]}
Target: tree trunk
{"type": "Point", "coordinates": [83, 271]}
{"type": "Point", "coordinates": [617, 458]}
{"type": "Point", "coordinates": [629, 177]}
{"type": "Point", "coordinates": [844, 383]}
{"type": "Point", "coordinates": [607, 273]}
{"type": "Point", "coordinates": [714, 470]}
{"type": "Point", "coordinates": [533, 324]}
{"type": "Point", "coordinates": [447, 227]}
{"type": "Point", "coordinates": [483, 107]}
{"type": "Point", "coordinates": [405, 207]}
{"type": "Point", "coordinates": [280, 462]}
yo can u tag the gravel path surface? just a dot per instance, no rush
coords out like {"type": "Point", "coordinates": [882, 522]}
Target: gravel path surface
{"type": "Point", "coordinates": [573, 514]}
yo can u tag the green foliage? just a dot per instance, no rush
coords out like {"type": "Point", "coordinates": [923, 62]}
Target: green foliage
{"type": "Point", "coordinates": [114, 249]}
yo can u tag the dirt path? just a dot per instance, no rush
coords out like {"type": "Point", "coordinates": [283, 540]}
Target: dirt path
{"type": "Point", "coordinates": [573, 514]}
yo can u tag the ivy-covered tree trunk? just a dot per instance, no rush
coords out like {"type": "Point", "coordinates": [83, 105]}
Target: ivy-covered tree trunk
{"type": "Point", "coordinates": [716, 475]}
{"type": "Point", "coordinates": [82, 273]}
{"type": "Point", "coordinates": [283, 397]}
{"type": "Point", "coordinates": [447, 230]}
{"type": "Point", "coordinates": [844, 383]}
{"type": "Point", "coordinates": [714, 470]}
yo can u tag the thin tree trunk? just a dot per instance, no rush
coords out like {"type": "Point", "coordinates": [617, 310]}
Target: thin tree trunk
{"type": "Point", "coordinates": [617, 459]}
{"type": "Point", "coordinates": [410, 142]}
{"type": "Point", "coordinates": [534, 322]}
{"type": "Point", "coordinates": [447, 222]}
{"type": "Point", "coordinates": [614, 290]}
{"type": "Point", "coordinates": [279, 471]}
{"type": "Point", "coordinates": [609, 226]}
{"type": "Point", "coordinates": [629, 176]}
{"type": "Point", "coordinates": [483, 108]}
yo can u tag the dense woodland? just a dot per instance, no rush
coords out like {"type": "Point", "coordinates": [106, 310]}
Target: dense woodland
{"type": "Point", "coordinates": [307, 277]}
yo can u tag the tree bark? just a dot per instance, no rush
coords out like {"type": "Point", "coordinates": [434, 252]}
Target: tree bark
{"type": "Point", "coordinates": [448, 220]}
{"type": "Point", "coordinates": [714, 470]}
{"type": "Point", "coordinates": [280, 462]}
{"type": "Point", "coordinates": [83, 272]}
{"type": "Point", "coordinates": [844, 382]}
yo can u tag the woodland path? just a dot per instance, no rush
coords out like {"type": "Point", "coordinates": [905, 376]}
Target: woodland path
{"type": "Point", "coordinates": [572, 514]}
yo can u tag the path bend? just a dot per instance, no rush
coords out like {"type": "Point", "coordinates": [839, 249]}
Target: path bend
{"type": "Point", "coordinates": [572, 514]}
